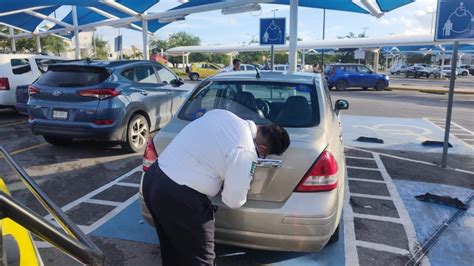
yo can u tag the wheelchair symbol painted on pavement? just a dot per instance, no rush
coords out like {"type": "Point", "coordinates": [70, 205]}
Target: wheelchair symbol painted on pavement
{"type": "Point", "coordinates": [272, 33]}
{"type": "Point", "coordinates": [419, 133]}
{"type": "Point", "coordinates": [461, 20]}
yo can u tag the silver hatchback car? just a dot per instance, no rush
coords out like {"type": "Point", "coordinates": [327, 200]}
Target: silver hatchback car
{"type": "Point", "coordinates": [295, 200]}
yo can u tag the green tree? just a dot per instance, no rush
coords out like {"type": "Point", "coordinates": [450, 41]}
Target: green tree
{"type": "Point", "coordinates": [175, 40]}
{"type": "Point", "coordinates": [101, 48]}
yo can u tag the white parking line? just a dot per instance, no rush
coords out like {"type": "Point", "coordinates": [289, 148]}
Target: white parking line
{"type": "Point", "coordinates": [125, 184]}
{"type": "Point", "coordinates": [103, 202]}
{"type": "Point", "coordinates": [378, 218]}
{"type": "Point", "coordinates": [367, 180]}
{"type": "Point", "coordinates": [359, 158]}
{"type": "Point", "coordinates": [96, 191]}
{"type": "Point", "coordinates": [371, 196]}
{"type": "Point", "coordinates": [350, 247]}
{"type": "Point", "coordinates": [362, 168]}
{"type": "Point", "coordinates": [397, 201]}
{"type": "Point", "coordinates": [382, 247]}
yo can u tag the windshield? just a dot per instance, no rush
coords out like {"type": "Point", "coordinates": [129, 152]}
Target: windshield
{"type": "Point", "coordinates": [72, 76]}
{"type": "Point", "coordinates": [287, 104]}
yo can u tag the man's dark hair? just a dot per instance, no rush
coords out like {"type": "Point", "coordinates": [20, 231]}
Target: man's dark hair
{"type": "Point", "coordinates": [277, 138]}
{"type": "Point", "coordinates": [235, 61]}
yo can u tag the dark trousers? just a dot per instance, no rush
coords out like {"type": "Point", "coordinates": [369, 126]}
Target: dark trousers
{"type": "Point", "coordinates": [183, 218]}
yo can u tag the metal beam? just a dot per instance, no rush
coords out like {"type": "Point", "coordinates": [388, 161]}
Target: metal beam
{"type": "Point", "coordinates": [41, 16]}
{"type": "Point", "coordinates": [76, 33]}
{"type": "Point", "coordinates": [374, 10]}
{"type": "Point", "coordinates": [182, 12]}
{"type": "Point", "coordinates": [22, 10]}
{"type": "Point", "coordinates": [145, 39]}
{"type": "Point", "coordinates": [292, 55]}
{"type": "Point", "coordinates": [120, 7]}
{"type": "Point", "coordinates": [108, 15]}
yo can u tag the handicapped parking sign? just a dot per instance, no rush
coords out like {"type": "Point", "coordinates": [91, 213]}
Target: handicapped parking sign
{"type": "Point", "coordinates": [455, 20]}
{"type": "Point", "coordinates": [272, 31]}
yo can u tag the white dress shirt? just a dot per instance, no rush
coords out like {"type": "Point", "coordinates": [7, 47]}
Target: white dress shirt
{"type": "Point", "coordinates": [218, 147]}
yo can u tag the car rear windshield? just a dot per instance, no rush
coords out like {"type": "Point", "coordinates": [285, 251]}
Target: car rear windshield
{"type": "Point", "coordinates": [287, 104]}
{"type": "Point", "coordinates": [72, 76]}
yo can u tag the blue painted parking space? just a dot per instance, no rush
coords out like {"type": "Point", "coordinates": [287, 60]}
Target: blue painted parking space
{"type": "Point", "coordinates": [456, 245]}
{"type": "Point", "coordinates": [129, 225]}
{"type": "Point", "coordinates": [403, 134]}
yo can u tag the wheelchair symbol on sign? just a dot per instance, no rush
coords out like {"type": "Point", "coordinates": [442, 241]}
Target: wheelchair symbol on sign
{"type": "Point", "coordinates": [419, 133]}
{"type": "Point", "coordinates": [272, 33]}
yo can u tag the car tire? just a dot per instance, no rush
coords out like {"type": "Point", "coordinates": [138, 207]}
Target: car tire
{"type": "Point", "coordinates": [138, 131]}
{"type": "Point", "coordinates": [398, 72]}
{"type": "Point", "coordinates": [57, 141]}
{"type": "Point", "coordinates": [406, 75]}
{"type": "Point", "coordinates": [380, 85]}
{"type": "Point", "coordinates": [464, 73]}
{"type": "Point", "coordinates": [342, 85]}
{"type": "Point", "coordinates": [365, 88]}
{"type": "Point", "coordinates": [335, 237]}
{"type": "Point", "coordinates": [194, 76]}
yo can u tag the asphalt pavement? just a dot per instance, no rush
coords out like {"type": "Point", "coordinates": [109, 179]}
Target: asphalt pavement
{"type": "Point", "coordinates": [97, 186]}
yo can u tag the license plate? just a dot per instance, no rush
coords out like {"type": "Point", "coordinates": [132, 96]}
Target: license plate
{"type": "Point", "coordinates": [60, 114]}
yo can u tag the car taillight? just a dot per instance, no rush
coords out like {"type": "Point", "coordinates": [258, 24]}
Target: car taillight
{"type": "Point", "coordinates": [321, 176]}
{"type": "Point", "coordinates": [100, 94]}
{"type": "Point", "coordinates": [104, 122]}
{"type": "Point", "coordinates": [150, 155]}
{"type": "Point", "coordinates": [4, 84]}
{"type": "Point", "coordinates": [33, 90]}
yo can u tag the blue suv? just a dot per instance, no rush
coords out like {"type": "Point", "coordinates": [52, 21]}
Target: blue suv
{"type": "Point", "coordinates": [343, 76]}
{"type": "Point", "coordinates": [104, 100]}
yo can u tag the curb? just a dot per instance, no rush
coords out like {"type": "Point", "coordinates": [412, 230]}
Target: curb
{"type": "Point", "coordinates": [430, 90]}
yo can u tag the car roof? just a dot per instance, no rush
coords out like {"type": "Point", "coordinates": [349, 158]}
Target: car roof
{"type": "Point", "coordinates": [106, 64]}
{"type": "Point", "coordinates": [346, 64]}
{"type": "Point", "coordinates": [267, 76]}
{"type": "Point", "coordinates": [14, 56]}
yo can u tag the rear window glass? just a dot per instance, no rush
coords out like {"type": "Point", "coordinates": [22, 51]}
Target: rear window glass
{"type": "Point", "coordinates": [20, 66]}
{"type": "Point", "coordinates": [72, 76]}
{"type": "Point", "coordinates": [287, 104]}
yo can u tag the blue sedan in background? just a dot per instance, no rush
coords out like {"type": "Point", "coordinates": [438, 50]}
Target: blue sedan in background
{"type": "Point", "coordinates": [343, 76]}
{"type": "Point", "coordinates": [104, 100]}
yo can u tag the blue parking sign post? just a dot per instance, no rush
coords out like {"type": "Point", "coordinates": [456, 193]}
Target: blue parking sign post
{"type": "Point", "coordinates": [272, 32]}
{"type": "Point", "coordinates": [454, 22]}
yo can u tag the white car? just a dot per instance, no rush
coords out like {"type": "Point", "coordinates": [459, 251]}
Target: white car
{"type": "Point", "coordinates": [21, 69]}
{"type": "Point", "coordinates": [243, 67]}
{"type": "Point", "coordinates": [398, 69]}
{"type": "Point", "coordinates": [462, 71]}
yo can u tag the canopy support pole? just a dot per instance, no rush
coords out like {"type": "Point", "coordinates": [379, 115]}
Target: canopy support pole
{"type": "Point", "coordinates": [12, 40]}
{"type": "Point", "coordinates": [146, 55]}
{"type": "Point", "coordinates": [292, 57]}
{"type": "Point", "coordinates": [38, 43]}
{"type": "Point", "coordinates": [76, 33]}
{"type": "Point", "coordinates": [376, 60]}
{"type": "Point", "coordinates": [231, 58]}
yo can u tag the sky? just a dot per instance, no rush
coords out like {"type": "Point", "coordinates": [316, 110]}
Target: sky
{"type": "Point", "coordinates": [215, 28]}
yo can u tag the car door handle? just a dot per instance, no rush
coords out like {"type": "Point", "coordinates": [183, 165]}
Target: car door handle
{"type": "Point", "coordinates": [144, 93]}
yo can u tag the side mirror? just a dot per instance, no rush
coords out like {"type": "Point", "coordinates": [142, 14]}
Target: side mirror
{"type": "Point", "coordinates": [341, 105]}
{"type": "Point", "coordinates": [177, 82]}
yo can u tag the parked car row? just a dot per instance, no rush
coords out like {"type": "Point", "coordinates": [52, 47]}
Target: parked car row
{"type": "Point", "coordinates": [426, 70]}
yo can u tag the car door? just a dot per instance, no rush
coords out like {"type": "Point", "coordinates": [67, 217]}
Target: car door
{"type": "Point", "coordinates": [154, 97]}
{"type": "Point", "coordinates": [173, 87]}
{"type": "Point", "coordinates": [366, 77]}
{"type": "Point", "coordinates": [351, 75]}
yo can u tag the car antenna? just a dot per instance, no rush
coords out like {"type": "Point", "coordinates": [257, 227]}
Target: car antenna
{"type": "Point", "coordinates": [258, 72]}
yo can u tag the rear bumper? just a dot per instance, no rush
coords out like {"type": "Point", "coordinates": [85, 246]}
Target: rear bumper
{"type": "Point", "coordinates": [301, 224]}
{"type": "Point", "coordinates": [77, 130]}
